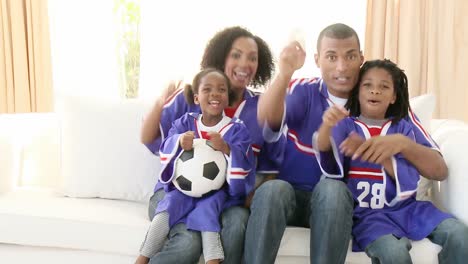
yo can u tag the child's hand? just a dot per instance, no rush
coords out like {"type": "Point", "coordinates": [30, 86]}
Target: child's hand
{"type": "Point", "coordinates": [333, 115]}
{"type": "Point", "coordinates": [186, 140]}
{"type": "Point", "coordinates": [350, 144]}
{"type": "Point", "coordinates": [218, 143]}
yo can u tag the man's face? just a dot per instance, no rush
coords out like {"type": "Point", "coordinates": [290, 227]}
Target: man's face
{"type": "Point", "coordinates": [339, 61]}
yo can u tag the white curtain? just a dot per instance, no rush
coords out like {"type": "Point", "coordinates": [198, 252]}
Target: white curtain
{"type": "Point", "coordinates": [174, 33]}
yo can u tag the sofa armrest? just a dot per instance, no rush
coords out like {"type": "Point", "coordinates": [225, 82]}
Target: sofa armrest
{"type": "Point", "coordinates": [30, 149]}
{"type": "Point", "coordinates": [452, 195]}
{"type": "Point", "coordinates": [6, 161]}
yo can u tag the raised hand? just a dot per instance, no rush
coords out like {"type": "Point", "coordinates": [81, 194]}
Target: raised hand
{"type": "Point", "coordinates": [292, 58]}
{"type": "Point", "coordinates": [186, 140]}
{"type": "Point", "coordinates": [333, 115]}
{"type": "Point", "coordinates": [218, 143]}
{"type": "Point", "coordinates": [171, 87]}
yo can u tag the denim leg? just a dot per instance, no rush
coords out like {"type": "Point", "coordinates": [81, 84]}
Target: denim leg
{"type": "Point", "coordinates": [183, 246]}
{"type": "Point", "coordinates": [389, 250]}
{"type": "Point", "coordinates": [233, 225]}
{"type": "Point", "coordinates": [153, 203]}
{"type": "Point", "coordinates": [331, 221]}
{"type": "Point", "coordinates": [452, 236]}
{"type": "Point", "coordinates": [272, 206]}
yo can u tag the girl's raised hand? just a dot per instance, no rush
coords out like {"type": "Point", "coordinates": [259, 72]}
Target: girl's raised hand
{"type": "Point", "coordinates": [186, 140]}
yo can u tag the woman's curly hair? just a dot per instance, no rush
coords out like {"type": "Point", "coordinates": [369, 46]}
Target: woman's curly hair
{"type": "Point", "coordinates": [218, 48]}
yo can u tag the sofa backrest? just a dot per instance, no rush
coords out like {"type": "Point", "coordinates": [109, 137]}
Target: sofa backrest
{"type": "Point", "coordinates": [101, 153]}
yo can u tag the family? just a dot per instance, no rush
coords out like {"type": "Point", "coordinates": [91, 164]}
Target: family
{"type": "Point", "coordinates": [341, 154]}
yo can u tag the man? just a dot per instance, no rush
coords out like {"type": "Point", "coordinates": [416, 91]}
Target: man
{"type": "Point", "coordinates": [301, 196]}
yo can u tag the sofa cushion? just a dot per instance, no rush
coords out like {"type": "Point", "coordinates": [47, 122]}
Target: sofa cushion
{"type": "Point", "coordinates": [42, 218]}
{"type": "Point", "coordinates": [101, 151]}
{"type": "Point", "coordinates": [423, 106]}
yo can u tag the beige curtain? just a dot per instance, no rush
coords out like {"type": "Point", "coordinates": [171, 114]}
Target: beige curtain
{"type": "Point", "coordinates": [25, 64]}
{"type": "Point", "coordinates": [429, 40]}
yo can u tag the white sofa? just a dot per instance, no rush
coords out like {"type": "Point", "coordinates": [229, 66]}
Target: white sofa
{"type": "Point", "coordinates": [90, 179]}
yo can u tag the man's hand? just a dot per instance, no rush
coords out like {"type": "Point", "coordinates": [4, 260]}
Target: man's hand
{"type": "Point", "coordinates": [349, 146]}
{"type": "Point", "coordinates": [380, 148]}
{"type": "Point", "coordinates": [292, 58]}
{"type": "Point", "coordinates": [186, 140]}
{"type": "Point", "coordinates": [218, 143]}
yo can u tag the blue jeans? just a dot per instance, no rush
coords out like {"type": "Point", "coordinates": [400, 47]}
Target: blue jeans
{"type": "Point", "coordinates": [451, 235]}
{"type": "Point", "coordinates": [185, 246]}
{"type": "Point", "coordinates": [327, 211]}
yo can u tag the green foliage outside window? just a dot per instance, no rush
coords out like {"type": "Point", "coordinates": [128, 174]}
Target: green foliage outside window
{"type": "Point", "coordinates": [128, 16]}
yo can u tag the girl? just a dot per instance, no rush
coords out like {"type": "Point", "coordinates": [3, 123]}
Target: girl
{"type": "Point", "coordinates": [386, 213]}
{"type": "Point", "coordinates": [211, 91]}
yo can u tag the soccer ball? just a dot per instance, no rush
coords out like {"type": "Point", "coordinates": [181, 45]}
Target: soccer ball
{"type": "Point", "coordinates": [200, 170]}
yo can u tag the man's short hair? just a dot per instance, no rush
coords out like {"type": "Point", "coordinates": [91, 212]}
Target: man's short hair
{"type": "Point", "coordinates": [337, 31]}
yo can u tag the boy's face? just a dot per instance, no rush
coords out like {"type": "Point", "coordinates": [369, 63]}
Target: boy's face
{"type": "Point", "coordinates": [212, 97]}
{"type": "Point", "coordinates": [376, 93]}
{"type": "Point", "coordinates": [339, 61]}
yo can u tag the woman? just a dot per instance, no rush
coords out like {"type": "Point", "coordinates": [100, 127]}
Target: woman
{"type": "Point", "coordinates": [247, 60]}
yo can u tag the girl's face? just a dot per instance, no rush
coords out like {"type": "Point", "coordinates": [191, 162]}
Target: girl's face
{"type": "Point", "coordinates": [241, 62]}
{"type": "Point", "coordinates": [212, 97]}
{"type": "Point", "coordinates": [376, 93]}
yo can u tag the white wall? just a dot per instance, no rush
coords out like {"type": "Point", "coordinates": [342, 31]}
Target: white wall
{"type": "Point", "coordinates": [174, 33]}
{"type": "Point", "coordinates": [84, 47]}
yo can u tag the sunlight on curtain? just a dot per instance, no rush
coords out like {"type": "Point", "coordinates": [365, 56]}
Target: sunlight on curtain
{"type": "Point", "coordinates": [174, 33]}
{"type": "Point", "coordinates": [84, 47]}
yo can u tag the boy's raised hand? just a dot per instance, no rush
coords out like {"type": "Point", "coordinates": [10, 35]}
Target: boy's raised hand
{"type": "Point", "coordinates": [218, 143]}
{"type": "Point", "coordinates": [186, 140]}
{"type": "Point", "coordinates": [333, 115]}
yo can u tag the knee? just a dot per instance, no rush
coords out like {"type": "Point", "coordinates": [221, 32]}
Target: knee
{"type": "Point", "coordinates": [188, 243]}
{"type": "Point", "coordinates": [457, 233]}
{"type": "Point", "coordinates": [389, 249]}
{"type": "Point", "coordinates": [331, 193]}
{"type": "Point", "coordinates": [235, 218]}
{"type": "Point", "coordinates": [275, 192]}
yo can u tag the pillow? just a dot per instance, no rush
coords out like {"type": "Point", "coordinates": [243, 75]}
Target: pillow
{"type": "Point", "coordinates": [423, 106]}
{"type": "Point", "coordinates": [101, 151]}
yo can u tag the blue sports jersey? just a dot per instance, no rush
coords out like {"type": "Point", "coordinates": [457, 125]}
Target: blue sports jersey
{"type": "Point", "coordinates": [202, 214]}
{"type": "Point", "coordinates": [383, 205]}
{"type": "Point", "coordinates": [269, 155]}
{"type": "Point", "coordinates": [306, 101]}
